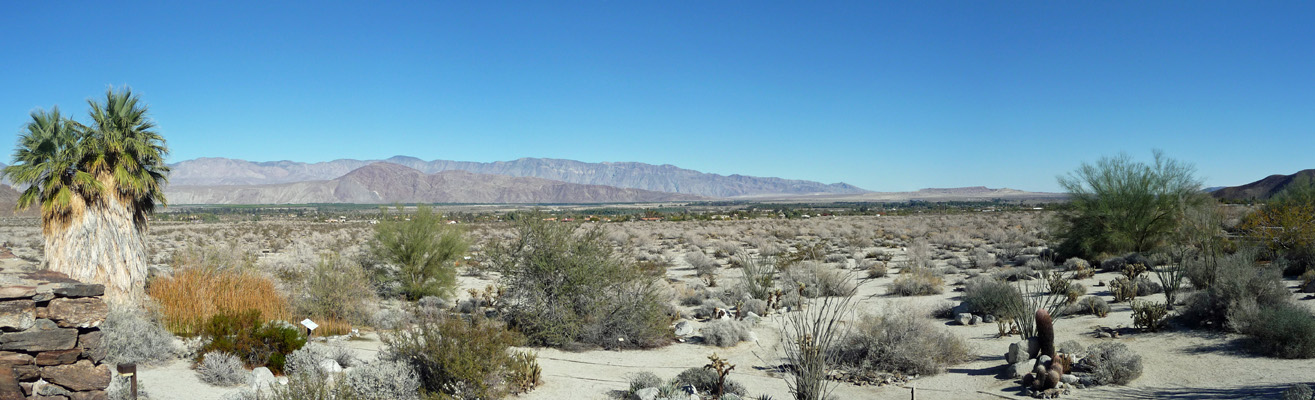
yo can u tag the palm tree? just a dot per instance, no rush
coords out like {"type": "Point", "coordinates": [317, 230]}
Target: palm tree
{"type": "Point", "coordinates": [97, 185]}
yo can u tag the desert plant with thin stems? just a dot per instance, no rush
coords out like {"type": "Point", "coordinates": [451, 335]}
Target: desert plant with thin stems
{"type": "Point", "coordinates": [808, 338]}
{"type": "Point", "coordinates": [423, 247]}
{"type": "Point", "coordinates": [759, 275]}
{"type": "Point", "coordinates": [193, 295]}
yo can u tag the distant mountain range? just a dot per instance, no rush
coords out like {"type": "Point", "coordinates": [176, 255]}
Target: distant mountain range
{"type": "Point", "coordinates": [1262, 189]}
{"type": "Point", "coordinates": [383, 183]}
{"type": "Point", "coordinates": [657, 178]}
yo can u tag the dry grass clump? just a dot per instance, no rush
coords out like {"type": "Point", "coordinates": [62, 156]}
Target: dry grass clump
{"type": "Point", "coordinates": [917, 282]}
{"type": "Point", "coordinates": [195, 294]}
{"type": "Point", "coordinates": [811, 279]}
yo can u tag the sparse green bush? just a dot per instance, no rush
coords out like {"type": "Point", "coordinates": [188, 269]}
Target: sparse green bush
{"type": "Point", "coordinates": [901, 341]}
{"type": "Point", "coordinates": [131, 336]}
{"type": "Point", "coordinates": [917, 282]}
{"type": "Point", "coordinates": [705, 381]}
{"type": "Point", "coordinates": [221, 369]}
{"type": "Point", "coordinates": [701, 263]}
{"type": "Point", "coordinates": [457, 357]}
{"type": "Point", "coordinates": [1236, 281]}
{"type": "Point", "coordinates": [816, 280]}
{"type": "Point", "coordinates": [992, 297]}
{"type": "Point", "coordinates": [1111, 363]}
{"type": "Point", "coordinates": [255, 342]}
{"type": "Point", "coordinates": [1283, 330]}
{"type": "Point", "coordinates": [725, 332]}
{"type": "Point", "coordinates": [565, 287]}
{"type": "Point", "coordinates": [336, 289]}
{"type": "Point", "coordinates": [419, 253]}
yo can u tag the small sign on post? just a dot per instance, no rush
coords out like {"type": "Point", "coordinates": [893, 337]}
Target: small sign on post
{"type": "Point", "coordinates": [310, 326]}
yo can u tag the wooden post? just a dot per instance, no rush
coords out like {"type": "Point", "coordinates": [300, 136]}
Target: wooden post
{"type": "Point", "coordinates": [130, 371]}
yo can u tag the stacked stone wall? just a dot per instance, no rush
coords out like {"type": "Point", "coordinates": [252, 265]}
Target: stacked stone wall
{"type": "Point", "coordinates": [50, 336]}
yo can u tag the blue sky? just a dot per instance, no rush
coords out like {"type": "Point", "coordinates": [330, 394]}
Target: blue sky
{"type": "Point", "coordinates": [888, 96]}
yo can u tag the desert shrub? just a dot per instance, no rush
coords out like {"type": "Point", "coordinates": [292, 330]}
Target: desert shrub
{"type": "Point", "coordinates": [131, 336]}
{"type": "Point", "coordinates": [992, 297]}
{"type": "Point", "coordinates": [1299, 391]}
{"type": "Point", "coordinates": [568, 287]}
{"type": "Point", "coordinates": [813, 280]}
{"type": "Point", "coordinates": [389, 318]}
{"type": "Point", "coordinates": [917, 282]}
{"type": "Point", "coordinates": [1148, 316]}
{"type": "Point", "coordinates": [221, 369]}
{"type": "Point", "coordinates": [1123, 289]}
{"type": "Point", "coordinates": [418, 254]}
{"type": "Point", "coordinates": [304, 386]}
{"type": "Point", "coordinates": [834, 258]}
{"type": "Point", "coordinates": [1093, 305]}
{"type": "Point", "coordinates": [457, 357]}
{"type": "Point", "coordinates": [643, 380]}
{"type": "Point", "coordinates": [1111, 363]}
{"type": "Point", "coordinates": [308, 358]}
{"type": "Point", "coordinates": [383, 380]}
{"type": "Point", "coordinates": [694, 298]}
{"type": "Point", "coordinates": [336, 289]}
{"type": "Point", "coordinates": [1235, 281]}
{"type": "Point", "coordinates": [257, 343]}
{"type": "Point", "coordinates": [1282, 330]}
{"type": "Point", "coordinates": [755, 306]}
{"type": "Point", "coordinates": [1013, 273]}
{"type": "Point", "coordinates": [701, 263]}
{"type": "Point", "coordinates": [725, 332]}
{"type": "Point", "coordinates": [903, 342]}
{"type": "Point", "coordinates": [982, 259]}
{"type": "Point", "coordinates": [874, 269]}
{"type": "Point", "coordinates": [759, 276]}
{"type": "Point", "coordinates": [705, 380]}
{"type": "Point", "coordinates": [121, 389]}
{"type": "Point", "coordinates": [709, 309]}
{"type": "Point", "coordinates": [1075, 291]}
{"type": "Point", "coordinates": [193, 295]}
{"type": "Point", "coordinates": [1292, 212]}
{"type": "Point", "coordinates": [1074, 263]}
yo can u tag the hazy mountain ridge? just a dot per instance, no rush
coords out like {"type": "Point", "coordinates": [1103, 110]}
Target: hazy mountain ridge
{"type": "Point", "coordinates": [383, 183]}
{"type": "Point", "coordinates": [660, 178]}
{"type": "Point", "coordinates": [1262, 189]}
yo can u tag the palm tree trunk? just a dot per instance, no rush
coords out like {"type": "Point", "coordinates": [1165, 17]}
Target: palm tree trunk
{"type": "Point", "coordinates": [101, 243]}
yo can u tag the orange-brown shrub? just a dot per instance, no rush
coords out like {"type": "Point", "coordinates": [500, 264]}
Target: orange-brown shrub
{"type": "Point", "coordinates": [193, 295]}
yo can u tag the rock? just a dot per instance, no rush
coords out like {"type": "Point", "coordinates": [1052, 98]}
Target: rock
{"type": "Point", "coordinates": [92, 395]}
{"type": "Point", "coordinates": [753, 336]}
{"type": "Point", "coordinates": [43, 388]}
{"type": "Point", "coordinates": [964, 318]}
{"type": "Point", "coordinates": [1018, 369]}
{"type": "Point", "coordinates": [12, 358]}
{"type": "Point", "coordinates": [9, 388]}
{"type": "Point", "coordinates": [647, 393]}
{"type": "Point", "coordinates": [17, 315]}
{"type": "Point", "coordinates": [44, 335]}
{"type": "Point", "coordinates": [79, 290]}
{"type": "Point", "coordinates": [81, 376]}
{"type": "Point", "coordinates": [90, 344]}
{"type": "Point", "coordinates": [990, 319]}
{"type": "Point", "coordinates": [976, 320]}
{"type": "Point", "coordinates": [58, 357]}
{"type": "Point", "coordinates": [752, 318]}
{"type": "Point", "coordinates": [17, 292]}
{"type": "Point", "coordinates": [684, 328]}
{"type": "Point", "coordinates": [1103, 335]}
{"type": "Point", "coordinates": [27, 373]}
{"type": "Point", "coordinates": [1033, 347]}
{"type": "Point", "coordinates": [330, 366]}
{"type": "Point", "coordinates": [262, 379]}
{"type": "Point", "coordinates": [1070, 379]}
{"type": "Point", "coordinates": [1309, 288]}
{"type": "Point", "coordinates": [1017, 352]}
{"type": "Point", "coordinates": [1043, 360]}
{"type": "Point", "coordinates": [81, 312]}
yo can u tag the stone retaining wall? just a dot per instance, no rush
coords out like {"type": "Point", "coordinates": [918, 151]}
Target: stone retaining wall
{"type": "Point", "coordinates": [49, 334]}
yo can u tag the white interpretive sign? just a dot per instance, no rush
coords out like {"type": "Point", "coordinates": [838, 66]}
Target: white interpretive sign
{"type": "Point", "coordinates": [309, 324]}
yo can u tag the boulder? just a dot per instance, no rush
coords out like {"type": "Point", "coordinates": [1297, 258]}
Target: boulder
{"type": "Point", "coordinates": [1309, 287]}
{"type": "Point", "coordinates": [9, 388]}
{"type": "Point", "coordinates": [87, 312]}
{"type": "Point", "coordinates": [80, 376]}
{"type": "Point", "coordinates": [1017, 352]}
{"type": "Point", "coordinates": [964, 318]}
{"type": "Point", "coordinates": [684, 328]}
{"type": "Point", "coordinates": [17, 315]}
{"type": "Point", "coordinates": [90, 344]}
{"type": "Point", "coordinates": [1018, 369]}
{"type": "Point", "coordinates": [1069, 379]}
{"type": "Point", "coordinates": [330, 366]}
{"type": "Point", "coordinates": [262, 379]}
{"type": "Point", "coordinates": [78, 290]}
{"type": "Point", "coordinates": [27, 373]}
{"type": "Point", "coordinates": [43, 388]}
{"type": "Point", "coordinates": [976, 320]}
{"type": "Point", "coordinates": [990, 319]}
{"type": "Point", "coordinates": [647, 393]}
{"type": "Point", "coordinates": [12, 358]}
{"type": "Point", "coordinates": [44, 335]}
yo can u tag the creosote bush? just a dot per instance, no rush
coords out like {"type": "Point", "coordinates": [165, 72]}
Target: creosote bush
{"type": "Point", "coordinates": [565, 287]}
{"type": "Point", "coordinates": [462, 358]}
{"type": "Point", "coordinates": [992, 297]}
{"type": "Point", "coordinates": [1285, 331]}
{"type": "Point", "coordinates": [901, 341]}
{"type": "Point", "coordinates": [1111, 363]}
